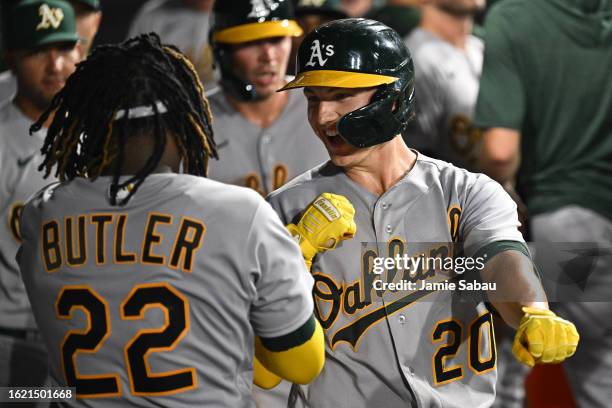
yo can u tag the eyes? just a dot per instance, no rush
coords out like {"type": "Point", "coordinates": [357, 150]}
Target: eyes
{"type": "Point", "coordinates": [334, 97]}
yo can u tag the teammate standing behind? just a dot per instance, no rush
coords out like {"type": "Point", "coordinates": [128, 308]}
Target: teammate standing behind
{"type": "Point", "coordinates": [184, 23]}
{"type": "Point", "coordinates": [390, 348]}
{"type": "Point", "coordinates": [448, 63]}
{"type": "Point", "coordinates": [88, 17]}
{"type": "Point", "coordinates": [42, 51]}
{"type": "Point", "coordinates": [175, 273]}
{"type": "Point", "coordinates": [264, 139]}
{"type": "Point", "coordinates": [546, 104]}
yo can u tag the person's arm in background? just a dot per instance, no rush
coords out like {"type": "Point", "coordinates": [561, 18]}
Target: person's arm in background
{"type": "Point", "coordinates": [500, 154]}
{"type": "Point", "coordinates": [500, 108]}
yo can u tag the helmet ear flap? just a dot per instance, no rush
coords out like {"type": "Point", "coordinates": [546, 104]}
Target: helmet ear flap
{"type": "Point", "coordinates": [381, 120]}
{"type": "Point", "coordinates": [364, 127]}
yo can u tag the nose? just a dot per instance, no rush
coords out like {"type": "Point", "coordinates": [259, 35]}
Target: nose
{"type": "Point", "coordinates": [267, 52]}
{"type": "Point", "coordinates": [55, 61]}
{"type": "Point", "coordinates": [325, 114]}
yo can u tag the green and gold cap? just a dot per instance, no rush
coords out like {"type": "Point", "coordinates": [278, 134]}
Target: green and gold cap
{"type": "Point", "coordinates": [92, 4]}
{"type": "Point", "coordinates": [34, 23]}
{"type": "Point", "coordinates": [240, 21]}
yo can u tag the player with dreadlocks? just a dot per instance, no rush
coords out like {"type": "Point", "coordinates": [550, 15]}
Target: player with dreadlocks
{"type": "Point", "coordinates": [126, 120]}
{"type": "Point", "coordinates": [95, 112]}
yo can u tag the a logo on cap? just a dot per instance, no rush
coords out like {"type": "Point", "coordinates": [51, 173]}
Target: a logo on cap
{"type": "Point", "coordinates": [262, 8]}
{"type": "Point", "coordinates": [49, 17]}
{"type": "Point", "coordinates": [317, 52]}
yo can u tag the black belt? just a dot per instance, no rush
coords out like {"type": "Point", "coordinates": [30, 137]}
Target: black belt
{"type": "Point", "coordinates": [24, 334]}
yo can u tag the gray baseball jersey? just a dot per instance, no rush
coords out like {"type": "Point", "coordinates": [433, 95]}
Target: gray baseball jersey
{"type": "Point", "coordinates": [396, 349]}
{"type": "Point", "coordinates": [169, 289]}
{"type": "Point", "coordinates": [446, 85]}
{"type": "Point", "coordinates": [19, 179]}
{"type": "Point", "coordinates": [8, 86]}
{"type": "Point", "coordinates": [179, 25]}
{"type": "Point", "coordinates": [263, 159]}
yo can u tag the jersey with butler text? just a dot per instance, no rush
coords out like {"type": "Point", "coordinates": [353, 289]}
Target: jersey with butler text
{"type": "Point", "coordinates": [156, 303]}
{"type": "Point", "coordinates": [396, 348]}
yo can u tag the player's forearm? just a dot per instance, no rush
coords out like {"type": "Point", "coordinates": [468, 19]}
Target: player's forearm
{"type": "Point", "coordinates": [297, 357]}
{"type": "Point", "coordinates": [517, 285]}
{"type": "Point", "coordinates": [500, 154]}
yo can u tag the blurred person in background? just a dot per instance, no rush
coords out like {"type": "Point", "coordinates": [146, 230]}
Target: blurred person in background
{"type": "Point", "coordinates": [183, 23]}
{"type": "Point", "coordinates": [310, 14]}
{"type": "Point", "coordinates": [356, 8]}
{"type": "Point", "coordinates": [401, 15]}
{"type": "Point", "coordinates": [263, 137]}
{"type": "Point", "coordinates": [88, 17]}
{"type": "Point", "coordinates": [448, 64]}
{"type": "Point", "coordinates": [41, 50]}
{"type": "Point", "coordinates": [545, 103]}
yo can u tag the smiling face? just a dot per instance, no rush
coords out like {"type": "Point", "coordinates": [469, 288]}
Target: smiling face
{"type": "Point", "coordinates": [42, 72]}
{"type": "Point", "coordinates": [263, 63]}
{"type": "Point", "coordinates": [325, 108]}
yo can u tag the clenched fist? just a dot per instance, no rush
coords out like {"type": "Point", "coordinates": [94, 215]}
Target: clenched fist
{"type": "Point", "coordinates": [543, 337]}
{"type": "Point", "coordinates": [328, 220]}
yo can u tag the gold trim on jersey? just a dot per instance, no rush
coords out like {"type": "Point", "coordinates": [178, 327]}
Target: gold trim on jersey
{"type": "Point", "coordinates": [172, 346]}
{"type": "Point", "coordinates": [47, 245]}
{"type": "Point", "coordinates": [187, 246]}
{"type": "Point", "coordinates": [82, 332]}
{"type": "Point", "coordinates": [73, 260]}
{"type": "Point", "coordinates": [119, 241]}
{"type": "Point", "coordinates": [454, 221]}
{"type": "Point", "coordinates": [100, 232]}
{"type": "Point", "coordinates": [456, 342]}
{"type": "Point", "coordinates": [151, 239]}
{"type": "Point", "coordinates": [492, 345]}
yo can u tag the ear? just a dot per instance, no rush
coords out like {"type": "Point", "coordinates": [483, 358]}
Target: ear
{"type": "Point", "coordinates": [98, 20]}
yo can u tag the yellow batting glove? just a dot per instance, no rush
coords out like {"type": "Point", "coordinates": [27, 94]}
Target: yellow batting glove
{"type": "Point", "coordinates": [543, 337]}
{"type": "Point", "coordinates": [264, 378]}
{"type": "Point", "coordinates": [328, 220]}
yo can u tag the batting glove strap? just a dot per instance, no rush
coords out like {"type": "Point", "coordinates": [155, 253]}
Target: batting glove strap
{"type": "Point", "coordinates": [328, 220]}
{"type": "Point", "coordinates": [544, 337]}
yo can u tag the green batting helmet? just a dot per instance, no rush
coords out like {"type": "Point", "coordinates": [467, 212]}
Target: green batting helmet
{"type": "Point", "coordinates": [240, 21]}
{"type": "Point", "coordinates": [361, 53]}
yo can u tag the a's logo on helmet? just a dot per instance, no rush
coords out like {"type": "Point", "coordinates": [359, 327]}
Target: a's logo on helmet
{"type": "Point", "coordinates": [317, 52]}
{"type": "Point", "coordinates": [262, 8]}
{"type": "Point", "coordinates": [49, 17]}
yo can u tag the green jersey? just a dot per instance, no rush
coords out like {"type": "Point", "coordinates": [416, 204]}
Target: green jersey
{"type": "Point", "coordinates": [546, 73]}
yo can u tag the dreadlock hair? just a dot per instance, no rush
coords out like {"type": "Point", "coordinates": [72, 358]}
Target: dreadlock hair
{"type": "Point", "coordinates": [92, 122]}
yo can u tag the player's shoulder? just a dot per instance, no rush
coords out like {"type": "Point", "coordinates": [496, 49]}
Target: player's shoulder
{"type": "Point", "coordinates": [202, 191]}
{"type": "Point", "coordinates": [449, 176]}
{"type": "Point", "coordinates": [308, 183]}
{"type": "Point", "coordinates": [428, 51]}
{"type": "Point", "coordinates": [508, 11]}
{"type": "Point", "coordinates": [36, 204]}
{"type": "Point", "coordinates": [219, 105]}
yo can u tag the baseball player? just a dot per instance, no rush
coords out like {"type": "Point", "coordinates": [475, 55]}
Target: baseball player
{"type": "Point", "coordinates": [149, 286]}
{"type": "Point", "coordinates": [184, 23]}
{"type": "Point", "coordinates": [448, 63]}
{"type": "Point", "coordinates": [88, 17]}
{"type": "Point", "coordinates": [430, 346]}
{"type": "Point", "coordinates": [264, 139]}
{"type": "Point", "coordinates": [42, 52]}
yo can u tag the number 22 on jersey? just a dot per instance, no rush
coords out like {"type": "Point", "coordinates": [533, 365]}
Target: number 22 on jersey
{"type": "Point", "coordinates": [142, 382]}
